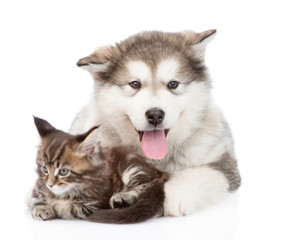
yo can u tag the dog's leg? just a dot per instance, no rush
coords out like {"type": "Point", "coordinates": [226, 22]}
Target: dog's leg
{"type": "Point", "coordinates": [194, 188]}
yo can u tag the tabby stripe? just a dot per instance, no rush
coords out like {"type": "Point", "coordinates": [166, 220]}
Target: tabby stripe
{"type": "Point", "coordinates": [41, 203]}
{"type": "Point", "coordinates": [60, 152]}
{"type": "Point", "coordinates": [48, 150]}
{"type": "Point", "coordinates": [55, 151]}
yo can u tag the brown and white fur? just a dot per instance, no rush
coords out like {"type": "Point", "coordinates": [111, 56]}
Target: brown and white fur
{"type": "Point", "coordinates": [165, 72]}
{"type": "Point", "coordinates": [80, 180]}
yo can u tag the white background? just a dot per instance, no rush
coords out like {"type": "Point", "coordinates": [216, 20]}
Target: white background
{"type": "Point", "coordinates": [40, 43]}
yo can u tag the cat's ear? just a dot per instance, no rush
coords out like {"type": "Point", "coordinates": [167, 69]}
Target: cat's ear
{"type": "Point", "coordinates": [89, 144]}
{"type": "Point", "coordinates": [199, 41]}
{"type": "Point", "coordinates": [44, 128]}
{"type": "Point", "coordinates": [99, 61]}
{"type": "Point", "coordinates": [87, 141]}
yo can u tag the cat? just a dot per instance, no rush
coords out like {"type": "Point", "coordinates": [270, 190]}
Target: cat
{"type": "Point", "coordinates": [78, 179]}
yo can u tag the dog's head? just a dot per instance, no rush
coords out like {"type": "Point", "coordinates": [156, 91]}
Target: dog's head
{"type": "Point", "coordinates": [152, 79]}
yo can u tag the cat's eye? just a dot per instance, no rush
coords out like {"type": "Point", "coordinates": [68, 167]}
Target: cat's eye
{"type": "Point", "coordinates": [172, 84]}
{"type": "Point", "coordinates": [135, 84]}
{"type": "Point", "coordinates": [64, 172]}
{"type": "Point", "coordinates": [45, 170]}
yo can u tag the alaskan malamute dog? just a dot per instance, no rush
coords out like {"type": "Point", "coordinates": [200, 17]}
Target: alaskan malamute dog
{"type": "Point", "coordinates": [152, 92]}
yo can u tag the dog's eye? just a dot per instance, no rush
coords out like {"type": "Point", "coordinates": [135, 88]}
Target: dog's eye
{"type": "Point", "coordinates": [172, 84]}
{"type": "Point", "coordinates": [135, 84]}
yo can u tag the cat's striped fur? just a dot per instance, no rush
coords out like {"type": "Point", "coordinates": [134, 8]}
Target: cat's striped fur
{"type": "Point", "coordinates": [80, 181]}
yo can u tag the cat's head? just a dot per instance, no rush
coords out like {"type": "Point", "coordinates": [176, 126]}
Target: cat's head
{"type": "Point", "coordinates": [64, 160]}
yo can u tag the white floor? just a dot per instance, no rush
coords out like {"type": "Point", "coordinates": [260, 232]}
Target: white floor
{"type": "Point", "coordinates": [221, 222]}
{"type": "Point", "coordinates": [242, 216]}
{"type": "Point", "coordinates": [39, 46]}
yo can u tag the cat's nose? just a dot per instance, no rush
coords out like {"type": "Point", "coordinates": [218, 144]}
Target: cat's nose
{"type": "Point", "coordinates": [50, 182]}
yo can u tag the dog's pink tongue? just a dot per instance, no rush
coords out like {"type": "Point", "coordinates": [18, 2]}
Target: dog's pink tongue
{"type": "Point", "coordinates": [154, 144]}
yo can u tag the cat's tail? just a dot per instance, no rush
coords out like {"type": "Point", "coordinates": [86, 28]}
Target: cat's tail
{"type": "Point", "coordinates": [149, 205]}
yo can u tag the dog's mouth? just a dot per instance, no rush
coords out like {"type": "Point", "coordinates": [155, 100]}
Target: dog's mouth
{"type": "Point", "coordinates": [154, 143]}
{"type": "Point", "coordinates": [141, 133]}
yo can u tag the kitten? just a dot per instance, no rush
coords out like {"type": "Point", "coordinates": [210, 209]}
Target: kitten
{"type": "Point", "coordinates": [80, 180]}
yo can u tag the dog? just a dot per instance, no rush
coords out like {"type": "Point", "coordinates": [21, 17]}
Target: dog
{"type": "Point", "coordinates": [152, 92]}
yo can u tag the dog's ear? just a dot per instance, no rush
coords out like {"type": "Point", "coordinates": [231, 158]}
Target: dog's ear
{"type": "Point", "coordinates": [91, 66]}
{"type": "Point", "coordinates": [199, 41]}
{"type": "Point", "coordinates": [99, 61]}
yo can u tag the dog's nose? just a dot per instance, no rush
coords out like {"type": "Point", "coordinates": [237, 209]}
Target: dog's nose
{"type": "Point", "coordinates": [155, 116]}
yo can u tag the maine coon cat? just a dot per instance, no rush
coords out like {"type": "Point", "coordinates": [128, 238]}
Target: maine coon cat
{"type": "Point", "coordinates": [80, 180]}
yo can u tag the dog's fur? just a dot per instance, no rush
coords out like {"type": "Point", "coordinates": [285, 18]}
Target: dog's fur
{"type": "Point", "coordinates": [200, 153]}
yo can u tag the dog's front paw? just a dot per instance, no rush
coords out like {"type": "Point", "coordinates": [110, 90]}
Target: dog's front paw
{"type": "Point", "coordinates": [43, 212]}
{"type": "Point", "coordinates": [123, 199]}
{"type": "Point", "coordinates": [192, 189]}
{"type": "Point", "coordinates": [177, 200]}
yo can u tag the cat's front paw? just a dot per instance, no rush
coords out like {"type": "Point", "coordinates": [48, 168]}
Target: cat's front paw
{"type": "Point", "coordinates": [43, 213]}
{"type": "Point", "coordinates": [123, 199]}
